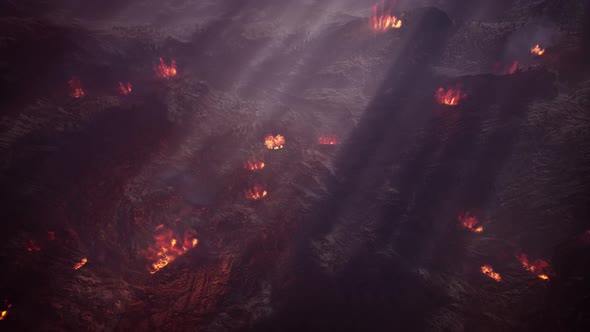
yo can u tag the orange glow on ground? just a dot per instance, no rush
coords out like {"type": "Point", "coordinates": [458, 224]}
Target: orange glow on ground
{"type": "Point", "coordinates": [537, 267]}
{"type": "Point", "coordinates": [489, 271]}
{"type": "Point", "coordinates": [124, 88]}
{"type": "Point", "coordinates": [328, 140]}
{"type": "Point", "coordinates": [382, 20]}
{"type": "Point", "coordinates": [470, 222]}
{"type": "Point", "coordinates": [537, 50]}
{"type": "Point", "coordinates": [32, 246]}
{"type": "Point", "coordinates": [166, 71]}
{"type": "Point", "coordinates": [450, 96]}
{"type": "Point", "coordinates": [81, 263]}
{"type": "Point", "coordinates": [254, 164]}
{"type": "Point", "coordinates": [76, 88]}
{"type": "Point", "coordinates": [167, 248]}
{"type": "Point", "coordinates": [274, 142]}
{"type": "Point", "coordinates": [256, 193]}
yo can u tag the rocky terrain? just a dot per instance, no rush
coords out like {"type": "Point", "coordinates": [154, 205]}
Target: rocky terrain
{"type": "Point", "coordinates": [129, 207]}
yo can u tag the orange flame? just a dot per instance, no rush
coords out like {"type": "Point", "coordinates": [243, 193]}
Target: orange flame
{"type": "Point", "coordinates": [254, 164]}
{"type": "Point", "coordinates": [256, 193]}
{"type": "Point", "coordinates": [274, 142]}
{"type": "Point", "coordinates": [76, 87]}
{"type": "Point", "coordinates": [489, 271]}
{"type": "Point", "coordinates": [450, 96]}
{"type": "Point", "coordinates": [3, 313]}
{"type": "Point", "coordinates": [537, 50]}
{"type": "Point", "coordinates": [166, 71]}
{"type": "Point", "coordinates": [328, 140]}
{"type": "Point", "coordinates": [125, 88]}
{"type": "Point", "coordinates": [384, 21]}
{"type": "Point", "coordinates": [80, 263]}
{"type": "Point", "coordinates": [538, 267]}
{"type": "Point", "coordinates": [470, 222]}
{"type": "Point", "coordinates": [167, 248]}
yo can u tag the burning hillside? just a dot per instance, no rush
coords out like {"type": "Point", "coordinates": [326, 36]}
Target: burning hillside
{"type": "Point", "coordinates": [280, 165]}
{"type": "Point", "coordinates": [450, 96]}
{"type": "Point", "coordinates": [382, 20]}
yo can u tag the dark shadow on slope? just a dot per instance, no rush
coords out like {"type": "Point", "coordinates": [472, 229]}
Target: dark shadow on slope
{"type": "Point", "coordinates": [81, 177]}
{"type": "Point", "coordinates": [444, 165]}
{"type": "Point", "coordinates": [317, 302]}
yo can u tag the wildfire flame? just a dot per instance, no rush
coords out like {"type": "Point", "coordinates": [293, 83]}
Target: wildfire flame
{"type": "Point", "coordinates": [125, 88]}
{"type": "Point", "coordinates": [167, 248]}
{"type": "Point", "coordinates": [256, 193]}
{"type": "Point", "coordinates": [384, 21]}
{"type": "Point", "coordinates": [489, 271]}
{"type": "Point", "coordinates": [76, 87]}
{"type": "Point", "coordinates": [166, 71]}
{"type": "Point", "coordinates": [274, 142]}
{"type": "Point", "coordinates": [3, 313]}
{"type": "Point", "coordinates": [254, 164]}
{"type": "Point", "coordinates": [450, 96]}
{"type": "Point", "coordinates": [537, 267]}
{"type": "Point", "coordinates": [81, 263]}
{"type": "Point", "coordinates": [328, 140]}
{"type": "Point", "coordinates": [537, 50]}
{"type": "Point", "coordinates": [470, 222]}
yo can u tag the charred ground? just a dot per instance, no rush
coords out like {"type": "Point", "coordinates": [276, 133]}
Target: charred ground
{"type": "Point", "coordinates": [362, 235]}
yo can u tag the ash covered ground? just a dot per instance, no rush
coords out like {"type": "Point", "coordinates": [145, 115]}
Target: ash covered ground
{"type": "Point", "coordinates": [435, 176]}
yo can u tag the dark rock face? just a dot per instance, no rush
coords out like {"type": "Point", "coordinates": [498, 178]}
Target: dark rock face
{"type": "Point", "coordinates": [359, 236]}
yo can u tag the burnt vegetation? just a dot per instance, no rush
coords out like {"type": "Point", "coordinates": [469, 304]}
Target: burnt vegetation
{"type": "Point", "coordinates": [360, 224]}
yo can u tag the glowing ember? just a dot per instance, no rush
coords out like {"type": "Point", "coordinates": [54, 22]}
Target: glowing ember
{"type": "Point", "coordinates": [450, 96]}
{"type": "Point", "coordinates": [470, 222]}
{"type": "Point", "coordinates": [537, 267]}
{"type": "Point", "coordinates": [257, 192]}
{"type": "Point", "coordinates": [167, 248]}
{"type": "Point", "coordinates": [166, 71]}
{"type": "Point", "coordinates": [488, 271]}
{"type": "Point", "coordinates": [80, 263]}
{"type": "Point", "coordinates": [384, 20]}
{"type": "Point", "coordinates": [76, 87]}
{"type": "Point", "coordinates": [32, 246]}
{"type": "Point", "coordinates": [274, 142]}
{"type": "Point", "coordinates": [3, 313]}
{"type": "Point", "coordinates": [124, 88]}
{"type": "Point", "coordinates": [537, 50]}
{"type": "Point", "coordinates": [254, 164]}
{"type": "Point", "coordinates": [328, 140]}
